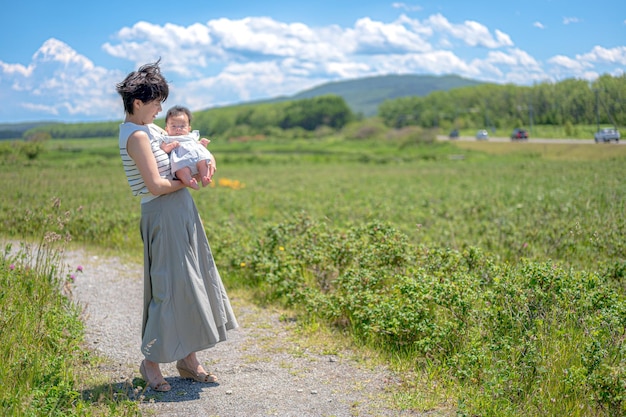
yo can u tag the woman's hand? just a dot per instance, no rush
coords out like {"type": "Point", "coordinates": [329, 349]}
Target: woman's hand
{"type": "Point", "coordinates": [211, 162]}
{"type": "Point", "coordinates": [212, 166]}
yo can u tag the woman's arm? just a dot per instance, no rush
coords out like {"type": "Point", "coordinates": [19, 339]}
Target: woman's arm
{"type": "Point", "coordinates": [138, 147]}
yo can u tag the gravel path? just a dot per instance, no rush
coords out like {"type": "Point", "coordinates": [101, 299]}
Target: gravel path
{"type": "Point", "coordinates": [262, 369]}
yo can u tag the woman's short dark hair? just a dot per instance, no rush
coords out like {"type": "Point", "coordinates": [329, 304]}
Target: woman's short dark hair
{"type": "Point", "coordinates": [146, 84]}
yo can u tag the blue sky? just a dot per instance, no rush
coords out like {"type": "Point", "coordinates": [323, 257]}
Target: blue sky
{"type": "Point", "coordinates": [61, 60]}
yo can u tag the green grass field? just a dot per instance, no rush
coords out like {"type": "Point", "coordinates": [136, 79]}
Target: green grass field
{"type": "Point", "coordinates": [494, 269]}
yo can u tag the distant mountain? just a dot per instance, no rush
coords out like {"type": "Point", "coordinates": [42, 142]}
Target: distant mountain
{"type": "Point", "coordinates": [364, 95]}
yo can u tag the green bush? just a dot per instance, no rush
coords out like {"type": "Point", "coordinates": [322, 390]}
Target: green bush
{"type": "Point", "coordinates": [514, 337]}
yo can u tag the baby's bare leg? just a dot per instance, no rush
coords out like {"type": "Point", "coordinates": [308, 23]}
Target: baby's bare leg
{"type": "Point", "coordinates": [184, 174]}
{"type": "Point", "coordinates": [203, 170]}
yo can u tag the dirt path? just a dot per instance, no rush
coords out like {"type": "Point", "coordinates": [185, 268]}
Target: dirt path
{"type": "Point", "coordinates": [263, 369]}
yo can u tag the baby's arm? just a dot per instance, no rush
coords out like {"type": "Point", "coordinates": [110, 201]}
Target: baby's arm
{"type": "Point", "coordinates": [169, 147]}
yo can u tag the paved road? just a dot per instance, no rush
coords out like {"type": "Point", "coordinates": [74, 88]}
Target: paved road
{"type": "Point", "coordinates": [535, 140]}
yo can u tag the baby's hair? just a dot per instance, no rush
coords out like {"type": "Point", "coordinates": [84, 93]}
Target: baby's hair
{"type": "Point", "coordinates": [146, 84]}
{"type": "Point", "coordinates": [177, 110]}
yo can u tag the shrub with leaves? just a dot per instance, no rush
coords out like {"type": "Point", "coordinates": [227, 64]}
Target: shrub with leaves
{"type": "Point", "coordinates": [513, 337]}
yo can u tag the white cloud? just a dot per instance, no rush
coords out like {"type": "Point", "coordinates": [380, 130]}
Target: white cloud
{"type": "Point", "coordinates": [15, 69]}
{"type": "Point", "coordinates": [615, 55]}
{"type": "Point", "coordinates": [407, 7]}
{"type": "Point", "coordinates": [261, 35]}
{"type": "Point", "coordinates": [568, 20]}
{"type": "Point", "coordinates": [470, 32]}
{"type": "Point", "coordinates": [502, 39]}
{"type": "Point", "coordinates": [512, 58]}
{"type": "Point", "coordinates": [225, 61]}
{"type": "Point", "coordinates": [184, 49]}
{"type": "Point", "coordinates": [539, 25]}
{"type": "Point", "coordinates": [370, 36]}
{"type": "Point", "coordinates": [240, 82]}
{"type": "Point", "coordinates": [567, 62]}
{"type": "Point", "coordinates": [581, 64]}
{"type": "Point", "coordinates": [585, 65]}
{"type": "Point", "coordinates": [59, 82]}
{"type": "Point", "coordinates": [261, 57]}
{"type": "Point", "coordinates": [435, 62]}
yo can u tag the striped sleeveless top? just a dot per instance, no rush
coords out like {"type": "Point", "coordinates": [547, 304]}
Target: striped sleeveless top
{"type": "Point", "coordinates": [135, 181]}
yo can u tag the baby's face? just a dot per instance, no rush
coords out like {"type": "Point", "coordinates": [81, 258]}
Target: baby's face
{"type": "Point", "coordinates": [178, 125]}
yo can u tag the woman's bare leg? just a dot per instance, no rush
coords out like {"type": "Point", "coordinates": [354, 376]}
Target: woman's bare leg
{"type": "Point", "coordinates": [151, 372]}
{"type": "Point", "coordinates": [191, 363]}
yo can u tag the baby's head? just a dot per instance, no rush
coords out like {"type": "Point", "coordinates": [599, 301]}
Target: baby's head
{"type": "Point", "coordinates": [178, 121]}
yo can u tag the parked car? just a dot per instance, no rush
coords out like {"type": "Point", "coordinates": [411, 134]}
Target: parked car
{"type": "Point", "coordinates": [482, 135]}
{"type": "Point", "coordinates": [519, 134]}
{"type": "Point", "coordinates": [454, 134]}
{"type": "Point", "coordinates": [606, 134]}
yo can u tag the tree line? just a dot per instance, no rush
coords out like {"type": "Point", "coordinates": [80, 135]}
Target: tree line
{"type": "Point", "coordinates": [571, 101]}
{"type": "Point", "coordinates": [305, 115]}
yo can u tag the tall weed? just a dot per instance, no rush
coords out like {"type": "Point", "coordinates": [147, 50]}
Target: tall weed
{"type": "Point", "coordinates": [41, 342]}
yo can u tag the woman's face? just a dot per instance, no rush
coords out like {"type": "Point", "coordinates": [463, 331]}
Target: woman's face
{"type": "Point", "coordinates": [147, 111]}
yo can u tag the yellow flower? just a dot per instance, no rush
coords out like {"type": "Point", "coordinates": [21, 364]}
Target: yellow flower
{"type": "Point", "coordinates": [281, 248]}
{"type": "Point", "coordinates": [234, 184]}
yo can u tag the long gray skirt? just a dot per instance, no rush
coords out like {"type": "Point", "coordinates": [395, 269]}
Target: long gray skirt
{"type": "Point", "coordinates": [185, 308]}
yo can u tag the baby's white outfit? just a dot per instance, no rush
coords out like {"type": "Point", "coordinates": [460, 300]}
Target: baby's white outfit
{"type": "Point", "coordinates": [188, 153]}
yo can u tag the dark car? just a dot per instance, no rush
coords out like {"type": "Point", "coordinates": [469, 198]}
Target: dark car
{"type": "Point", "coordinates": [454, 134]}
{"type": "Point", "coordinates": [519, 134]}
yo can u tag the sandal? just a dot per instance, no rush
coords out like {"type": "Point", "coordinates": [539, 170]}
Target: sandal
{"type": "Point", "coordinates": [191, 374]}
{"type": "Point", "coordinates": [161, 386]}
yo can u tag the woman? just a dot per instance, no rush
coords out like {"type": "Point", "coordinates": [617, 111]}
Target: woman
{"type": "Point", "coordinates": [185, 308]}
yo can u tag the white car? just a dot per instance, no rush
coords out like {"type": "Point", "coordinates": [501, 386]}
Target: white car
{"type": "Point", "coordinates": [482, 135]}
{"type": "Point", "coordinates": [606, 134]}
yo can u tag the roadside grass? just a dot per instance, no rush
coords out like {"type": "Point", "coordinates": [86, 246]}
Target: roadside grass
{"type": "Point", "coordinates": [492, 283]}
{"type": "Point", "coordinates": [550, 151]}
{"type": "Point", "coordinates": [42, 355]}
{"type": "Point", "coordinates": [564, 131]}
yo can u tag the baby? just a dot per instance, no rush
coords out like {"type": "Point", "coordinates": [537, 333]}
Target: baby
{"type": "Point", "coordinates": [189, 157]}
